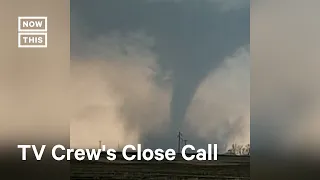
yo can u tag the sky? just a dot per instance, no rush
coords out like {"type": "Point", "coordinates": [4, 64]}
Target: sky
{"type": "Point", "coordinates": [284, 76]}
{"type": "Point", "coordinates": [139, 73]}
{"type": "Point", "coordinates": [144, 70]}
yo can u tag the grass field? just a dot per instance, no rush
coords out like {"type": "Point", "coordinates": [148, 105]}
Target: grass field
{"type": "Point", "coordinates": [226, 167]}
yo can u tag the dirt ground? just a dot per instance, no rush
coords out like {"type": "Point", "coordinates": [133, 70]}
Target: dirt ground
{"type": "Point", "coordinates": [227, 167]}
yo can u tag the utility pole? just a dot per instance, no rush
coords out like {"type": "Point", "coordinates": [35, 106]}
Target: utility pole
{"type": "Point", "coordinates": [100, 145]}
{"type": "Point", "coordinates": [179, 140]}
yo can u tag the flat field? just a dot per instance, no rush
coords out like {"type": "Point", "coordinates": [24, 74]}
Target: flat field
{"type": "Point", "coordinates": [226, 167]}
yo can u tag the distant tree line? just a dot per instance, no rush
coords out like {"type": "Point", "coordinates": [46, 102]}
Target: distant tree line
{"type": "Point", "coordinates": [239, 149]}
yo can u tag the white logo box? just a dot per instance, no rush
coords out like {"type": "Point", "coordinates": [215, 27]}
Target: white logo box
{"type": "Point", "coordinates": [21, 18]}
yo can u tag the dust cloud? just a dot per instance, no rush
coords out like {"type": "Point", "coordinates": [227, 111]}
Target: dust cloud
{"type": "Point", "coordinates": [117, 99]}
{"type": "Point", "coordinates": [220, 110]}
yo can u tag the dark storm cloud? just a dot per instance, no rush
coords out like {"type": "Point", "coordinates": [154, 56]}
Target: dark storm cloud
{"type": "Point", "coordinates": [191, 37]}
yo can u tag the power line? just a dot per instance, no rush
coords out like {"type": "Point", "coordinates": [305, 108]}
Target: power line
{"type": "Point", "coordinates": [179, 140]}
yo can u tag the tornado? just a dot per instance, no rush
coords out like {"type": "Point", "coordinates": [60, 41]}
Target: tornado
{"type": "Point", "coordinates": [190, 41]}
{"type": "Point", "coordinates": [206, 44]}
